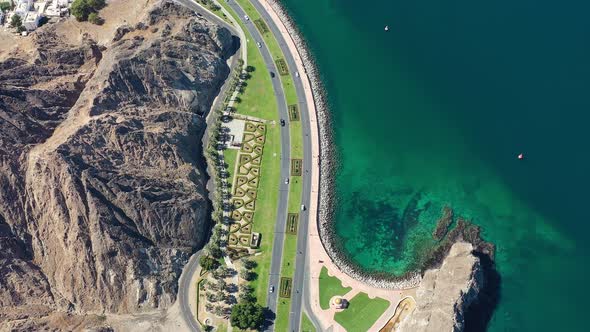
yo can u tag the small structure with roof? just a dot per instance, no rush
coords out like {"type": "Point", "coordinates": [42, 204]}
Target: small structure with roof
{"type": "Point", "coordinates": [339, 303]}
{"type": "Point", "coordinates": [31, 22]}
{"type": "Point", "coordinates": [255, 240]}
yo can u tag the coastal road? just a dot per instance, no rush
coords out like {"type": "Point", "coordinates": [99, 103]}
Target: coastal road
{"type": "Point", "coordinates": [281, 220]}
{"type": "Point", "coordinates": [300, 262]}
{"type": "Point", "coordinates": [188, 273]}
{"type": "Point", "coordinates": [183, 291]}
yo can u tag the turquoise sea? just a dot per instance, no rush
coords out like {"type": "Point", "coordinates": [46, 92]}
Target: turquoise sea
{"type": "Point", "coordinates": [437, 109]}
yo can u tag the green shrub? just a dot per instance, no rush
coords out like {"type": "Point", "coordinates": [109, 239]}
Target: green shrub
{"type": "Point", "coordinates": [95, 19]}
{"type": "Point", "coordinates": [5, 6]}
{"type": "Point", "coordinates": [16, 21]}
{"type": "Point", "coordinates": [83, 9]}
{"type": "Point", "coordinates": [247, 315]}
{"type": "Point", "coordinates": [208, 263]}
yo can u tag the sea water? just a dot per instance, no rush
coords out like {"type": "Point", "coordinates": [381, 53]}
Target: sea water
{"type": "Point", "coordinates": [434, 112]}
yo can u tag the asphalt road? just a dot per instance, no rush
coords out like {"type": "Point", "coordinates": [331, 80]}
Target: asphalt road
{"type": "Point", "coordinates": [183, 285]}
{"type": "Point", "coordinates": [298, 279]}
{"type": "Point", "coordinates": [188, 273]}
{"type": "Point", "coordinates": [281, 221]}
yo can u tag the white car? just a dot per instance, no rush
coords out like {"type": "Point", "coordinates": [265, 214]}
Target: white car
{"type": "Point", "coordinates": [296, 74]}
{"type": "Point", "coordinates": [246, 17]}
{"type": "Point", "coordinates": [302, 207]}
{"type": "Point", "coordinates": [259, 45]}
{"type": "Point", "coordinates": [272, 289]}
{"type": "Point", "coordinates": [286, 180]}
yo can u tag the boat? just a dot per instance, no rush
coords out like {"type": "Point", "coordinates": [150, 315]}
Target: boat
{"type": "Point", "coordinates": [387, 28]}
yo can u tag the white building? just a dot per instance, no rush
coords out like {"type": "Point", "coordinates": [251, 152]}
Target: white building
{"type": "Point", "coordinates": [22, 8]}
{"type": "Point", "coordinates": [31, 22]}
{"type": "Point", "coordinates": [57, 8]}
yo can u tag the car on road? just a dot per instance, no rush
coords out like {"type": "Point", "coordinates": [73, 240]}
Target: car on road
{"type": "Point", "coordinates": [272, 74]}
{"type": "Point", "coordinates": [246, 17]}
{"type": "Point", "coordinates": [286, 180]}
{"type": "Point", "coordinates": [259, 45]}
{"type": "Point", "coordinates": [272, 289]}
{"type": "Point", "coordinates": [302, 207]}
{"type": "Point", "coordinates": [282, 122]}
{"type": "Point", "coordinates": [296, 74]}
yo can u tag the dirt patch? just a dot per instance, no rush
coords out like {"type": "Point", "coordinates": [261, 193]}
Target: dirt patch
{"type": "Point", "coordinates": [115, 14]}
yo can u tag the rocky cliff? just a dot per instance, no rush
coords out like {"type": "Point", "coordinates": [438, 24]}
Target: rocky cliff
{"type": "Point", "coordinates": [102, 185]}
{"type": "Point", "coordinates": [445, 293]}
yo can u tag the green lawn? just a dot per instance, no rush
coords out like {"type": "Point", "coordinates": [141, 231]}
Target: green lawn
{"type": "Point", "coordinates": [282, 318]}
{"type": "Point", "coordinates": [362, 313]}
{"type": "Point", "coordinates": [329, 287]}
{"type": "Point", "coordinates": [230, 156]}
{"type": "Point", "coordinates": [306, 325]}
{"type": "Point", "coordinates": [296, 140]}
{"type": "Point", "coordinates": [266, 209]}
{"type": "Point", "coordinates": [222, 328]}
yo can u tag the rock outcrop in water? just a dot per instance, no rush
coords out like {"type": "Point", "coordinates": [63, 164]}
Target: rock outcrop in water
{"type": "Point", "coordinates": [445, 293]}
{"type": "Point", "coordinates": [102, 184]}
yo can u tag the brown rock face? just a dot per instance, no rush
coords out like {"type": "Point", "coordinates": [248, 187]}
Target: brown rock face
{"type": "Point", "coordinates": [102, 188]}
{"type": "Point", "coordinates": [445, 293]}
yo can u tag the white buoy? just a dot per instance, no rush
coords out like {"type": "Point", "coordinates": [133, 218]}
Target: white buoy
{"type": "Point", "coordinates": [387, 28]}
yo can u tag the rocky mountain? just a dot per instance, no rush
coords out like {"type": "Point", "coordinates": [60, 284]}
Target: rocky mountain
{"type": "Point", "coordinates": [446, 293]}
{"type": "Point", "coordinates": [102, 183]}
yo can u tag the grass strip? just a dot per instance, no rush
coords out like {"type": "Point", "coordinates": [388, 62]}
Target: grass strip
{"type": "Point", "coordinates": [362, 313]}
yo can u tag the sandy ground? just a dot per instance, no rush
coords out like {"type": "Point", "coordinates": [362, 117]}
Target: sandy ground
{"type": "Point", "coordinates": [155, 321]}
{"type": "Point", "coordinates": [8, 42]}
{"type": "Point", "coordinates": [115, 14]}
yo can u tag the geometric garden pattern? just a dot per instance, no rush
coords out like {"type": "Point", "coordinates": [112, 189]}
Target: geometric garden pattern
{"type": "Point", "coordinates": [245, 186]}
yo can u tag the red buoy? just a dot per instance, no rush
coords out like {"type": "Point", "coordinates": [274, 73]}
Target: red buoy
{"type": "Point", "coordinates": [521, 156]}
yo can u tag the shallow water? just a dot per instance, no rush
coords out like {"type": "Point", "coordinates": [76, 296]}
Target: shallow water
{"type": "Point", "coordinates": [436, 110]}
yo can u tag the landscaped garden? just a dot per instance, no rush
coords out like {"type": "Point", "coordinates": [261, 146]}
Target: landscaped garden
{"type": "Point", "coordinates": [362, 313]}
{"type": "Point", "coordinates": [330, 287]}
{"type": "Point", "coordinates": [246, 181]}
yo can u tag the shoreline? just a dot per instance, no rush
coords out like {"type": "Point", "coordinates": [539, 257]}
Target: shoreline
{"type": "Point", "coordinates": [327, 168]}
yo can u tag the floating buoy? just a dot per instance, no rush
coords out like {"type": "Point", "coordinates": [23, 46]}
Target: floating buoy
{"type": "Point", "coordinates": [387, 28]}
{"type": "Point", "coordinates": [521, 156]}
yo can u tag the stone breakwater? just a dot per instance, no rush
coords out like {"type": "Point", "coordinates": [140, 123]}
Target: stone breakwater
{"type": "Point", "coordinates": [328, 166]}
